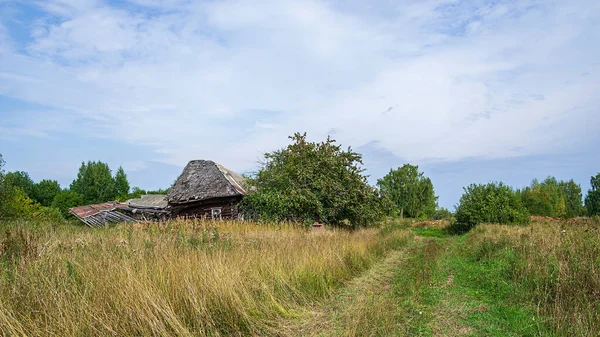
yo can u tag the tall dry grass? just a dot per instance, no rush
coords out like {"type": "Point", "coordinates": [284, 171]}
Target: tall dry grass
{"type": "Point", "coordinates": [180, 278]}
{"type": "Point", "coordinates": [555, 263]}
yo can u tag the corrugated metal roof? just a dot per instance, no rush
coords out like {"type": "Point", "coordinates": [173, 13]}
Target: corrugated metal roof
{"type": "Point", "coordinates": [155, 201]}
{"type": "Point", "coordinates": [90, 210]}
{"type": "Point", "coordinates": [99, 214]}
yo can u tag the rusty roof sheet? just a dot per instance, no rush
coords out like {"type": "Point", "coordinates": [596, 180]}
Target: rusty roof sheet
{"type": "Point", "coordinates": [91, 210]}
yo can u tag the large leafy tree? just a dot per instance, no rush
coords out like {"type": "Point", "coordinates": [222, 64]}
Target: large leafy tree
{"type": "Point", "coordinates": [45, 191]}
{"type": "Point", "coordinates": [573, 198]}
{"type": "Point", "coordinates": [490, 203]}
{"type": "Point", "coordinates": [313, 182]}
{"type": "Point", "coordinates": [95, 183]}
{"type": "Point", "coordinates": [121, 184]}
{"type": "Point", "coordinates": [411, 192]}
{"type": "Point", "coordinates": [592, 200]}
{"type": "Point", "coordinates": [22, 180]}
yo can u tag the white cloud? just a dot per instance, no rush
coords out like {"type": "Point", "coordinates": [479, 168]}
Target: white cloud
{"type": "Point", "coordinates": [424, 79]}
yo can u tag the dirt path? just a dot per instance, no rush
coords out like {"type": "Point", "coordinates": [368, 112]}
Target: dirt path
{"type": "Point", "coordinates": [351, 311]}
{"type": "Point", "coordinates": [431, 287]}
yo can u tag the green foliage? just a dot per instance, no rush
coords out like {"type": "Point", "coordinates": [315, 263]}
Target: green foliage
{"type": "Point", "coordinates": [21, 179]}
{"type": "Point", "coordinates": [313, 182]}
{"type": "Point", "coordinates": [442, 214]}
{"type": "Point", "coordinates": [553, 198]}
{"type": "Point", "coordinates": [490, 203]}
{"type": "Point", "coordinates": [592, 200]}
{"type": "Point", "coordinates": [121, 184]}
{"type": "Point", "coordinates": [45, 191]}
{"type": "Point", "coordinates": [410, 191]}
{"type": "Point", "coordinates": [66, 199]}
{"type": "Point", "coordinates": [49, 214]}
{"type": "Point", "coordinates": [573, 199]}
{"type": "Point", "coordinates": [14, 203]}
{"type": "Point", "coordinates": [95, 183]}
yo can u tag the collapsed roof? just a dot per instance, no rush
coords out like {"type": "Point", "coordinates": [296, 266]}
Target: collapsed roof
{"type": "Point", "coordinates": [99, 214]}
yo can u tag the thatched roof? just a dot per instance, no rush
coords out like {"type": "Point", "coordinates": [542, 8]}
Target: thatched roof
{"type": "Point", "coordinates": [205, 179]}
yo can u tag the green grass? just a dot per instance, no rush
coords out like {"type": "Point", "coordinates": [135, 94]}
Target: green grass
{"type": "Point", "coordinates": [435, 232]}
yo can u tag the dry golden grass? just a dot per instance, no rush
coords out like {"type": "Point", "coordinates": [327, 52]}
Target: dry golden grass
{"type": "Point", "coordinates": [181, 278]}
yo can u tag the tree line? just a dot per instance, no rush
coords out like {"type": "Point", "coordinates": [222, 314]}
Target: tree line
{"type": "Point", "coordinates": [320, 181]}
{"type": "Point", "coordinates": [20, 197]}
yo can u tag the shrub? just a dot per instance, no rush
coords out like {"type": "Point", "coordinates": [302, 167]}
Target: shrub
{"type": "Point", "coordinates": [490, 203]}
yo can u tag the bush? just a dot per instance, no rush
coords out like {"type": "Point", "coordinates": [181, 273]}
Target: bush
{"type": "Point", "coordinates": [490, 203]}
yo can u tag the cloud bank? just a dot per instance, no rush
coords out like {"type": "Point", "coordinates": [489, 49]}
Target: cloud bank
{"type": "Point", "coordinates": [433, 80]}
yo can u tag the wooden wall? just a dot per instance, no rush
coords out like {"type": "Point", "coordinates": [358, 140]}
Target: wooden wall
{"type": "Point", "coordinates": [203, 209]}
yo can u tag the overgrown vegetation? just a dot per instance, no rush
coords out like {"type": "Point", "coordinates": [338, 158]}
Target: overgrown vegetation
{"type": "Point", "coordinates": [178, 279]}
{"type": "Point", "coordinates": [307, 182]}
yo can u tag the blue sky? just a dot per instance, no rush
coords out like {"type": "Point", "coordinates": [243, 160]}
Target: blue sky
{"type": "Point", "coordinates": [471, 91]}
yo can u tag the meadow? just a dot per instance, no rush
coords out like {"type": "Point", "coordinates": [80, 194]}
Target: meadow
{"type": "Point", "coordinates": [206, 278]}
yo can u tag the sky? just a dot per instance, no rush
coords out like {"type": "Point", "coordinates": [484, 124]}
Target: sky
{"type": "Point", "coordinates": [471, 91]}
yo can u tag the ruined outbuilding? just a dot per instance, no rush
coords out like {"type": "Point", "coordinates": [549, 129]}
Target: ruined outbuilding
{"type": "Point", "coordinates": [101, 214]}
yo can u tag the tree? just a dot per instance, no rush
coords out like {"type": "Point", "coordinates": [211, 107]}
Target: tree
{"type": "Point", "coordinates": [45, 191]}
{"type": "Point", "coordinates": [95, 183]}
{"type": "Point", "coordinates": [410, 191]}
{"type": "Point", "coordinates": [121, 184]}
{"type": "Point", "coordinates": [573, 198]}
{"type": "Point", "coordinates": [14, 202]}
{"type": "Point", "coordinates": [592, 200]}
{"type": "Point", "coordinates": [66, 199]}
{"type": "Point", "coordinates": [313, 182]}
{"type": "Point", "coordinates": [490, 203]}
{"type": "Point", "coordinates": [21, 179]}
{"type": "Point", "coordinates": [553, 198]}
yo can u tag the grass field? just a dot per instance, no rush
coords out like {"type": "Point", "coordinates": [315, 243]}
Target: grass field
{"type": "Point", "coordinates": [194, 278]}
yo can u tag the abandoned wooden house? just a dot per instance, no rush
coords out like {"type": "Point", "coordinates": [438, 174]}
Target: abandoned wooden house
{"type": "Point", "coordinates": [208, 190]}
